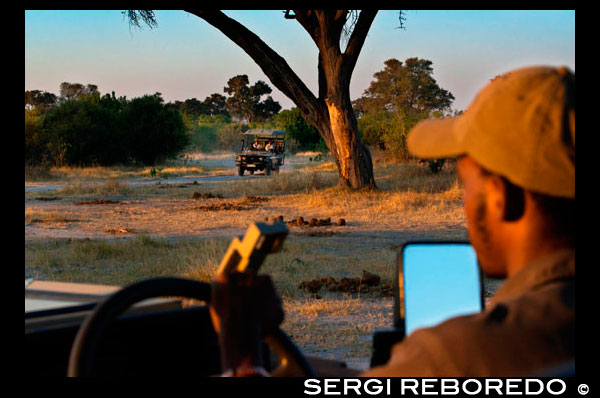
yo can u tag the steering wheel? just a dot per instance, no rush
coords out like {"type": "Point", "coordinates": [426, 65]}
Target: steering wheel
{"type": "Point", "coordinates": [91, 332]}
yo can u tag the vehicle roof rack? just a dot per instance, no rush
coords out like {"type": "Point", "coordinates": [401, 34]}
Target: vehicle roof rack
{"type": "Point", "coordinates": [265, 132]}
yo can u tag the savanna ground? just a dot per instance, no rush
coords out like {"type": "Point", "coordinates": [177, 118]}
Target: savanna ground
{"type": "Point", "coordinates": [118, 225]}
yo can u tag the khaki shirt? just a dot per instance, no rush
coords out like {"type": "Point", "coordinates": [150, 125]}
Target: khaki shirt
{"type": "Point", "coordinates": [528, 326]}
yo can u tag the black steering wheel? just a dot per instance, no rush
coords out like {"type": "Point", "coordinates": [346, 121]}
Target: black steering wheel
{"type": "Point", "coordinates": [91, 332]}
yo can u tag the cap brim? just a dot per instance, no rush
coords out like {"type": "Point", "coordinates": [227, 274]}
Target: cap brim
{"type": "Point", "coordinates": [435, 139]}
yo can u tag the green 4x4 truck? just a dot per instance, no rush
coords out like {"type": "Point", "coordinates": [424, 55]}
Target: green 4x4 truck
{"type": "Point", "coordinates": [262, 149]}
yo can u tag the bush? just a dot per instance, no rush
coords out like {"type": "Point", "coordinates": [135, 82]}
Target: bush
{"type": "Point", "coordinates": [35, 142]}
{"type": "Point", "coordinates": [104, 131]}
{"type": "Point", "coordinates": [153, 132]}
{"type": "Point", "coordinates": [387, 131]}
{"type": "Point", "coordinates": [204, 135]}
{"type": "Point", "coordinates": [402, 94]}
{"type": "Point", "coordinates": [82, 132]}
{"type": "Point", "coordinates": [230, 136]}
{"type": "Point", "coordinates": [305, 136]}
{"type": "Point", "coordinates": [204, 138]}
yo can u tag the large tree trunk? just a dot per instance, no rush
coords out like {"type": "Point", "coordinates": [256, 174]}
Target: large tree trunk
{"type": "Point", "coordinates": [331, 113]}
{"type": "Point", "coordinates": [352, 157]}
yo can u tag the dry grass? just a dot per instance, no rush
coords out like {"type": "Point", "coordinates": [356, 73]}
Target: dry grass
{"type": "Point", "coordinates": [121, 261]}
{"type": "Point", "coordinates": [128, 260]}
{"type": "Point", "coordinates": [408, 195]}
{"type": "Point", "coordinates": [339, 328]}
{"type": "Point", "coordinates": [99, 173]}
{"type": "Point", "coordinates": [326, 327]}
{"type": "Point", "coordinates": [373, 206]}
{"type": "Point", "coordinates": [410, 198]}
{"type": "Point", "coordinates": [275, 185]}
{"type": "Point", "coordinates": [177, 171]}
{"type": "Point", "coordinates": [39, 173]}
{"type": "Point", "coordinates": [410, 201]}
{"type": "Point", "coordinates": [325, 166]}
{"type": "Point", "coordinates": [104, 188]}
{"type": "Point", "coordinates": [66, 174]}
{"type": "Point", "coordinates": [37, 216]}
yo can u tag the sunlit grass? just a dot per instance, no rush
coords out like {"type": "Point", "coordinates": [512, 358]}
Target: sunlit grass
{"type": "Point", "coordinates": [123, 261]}
{"type": "Point", "coordinates": [276, 184]}
{"type": "Point", "coordinates": [99, 173]}
{"type": "Point", "coordinates": [119, 261]}
{"type": "Point", "coordinates": [338, 328]}
{"type": "Point", "coordinates": [33, 216]}
{"type": "Point", "coordinates": [409, 199]}
{"type": "Point", "coordinates": [317, 326]}
{"type": "Point", "coordinates": [103, 188]}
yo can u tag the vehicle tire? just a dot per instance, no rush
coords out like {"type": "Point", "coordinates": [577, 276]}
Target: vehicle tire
{"type": "Point", "coordinates": [240, 171]}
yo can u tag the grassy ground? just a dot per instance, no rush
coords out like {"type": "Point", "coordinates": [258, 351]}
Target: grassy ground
{"type": "Point", "coordinates": [336, 326]}
{"type": "Point", "coordinates": [99, 173]}
{"type": "Point", "coordinates": [123, 261]}
{"type": "Point", "coordinates": [68, 242]}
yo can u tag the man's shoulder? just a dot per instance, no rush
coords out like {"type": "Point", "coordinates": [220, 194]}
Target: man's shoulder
{"type": "Point", "coordinates": [539, 310]}
{"type": "Point", "coordinates": [510, 336]}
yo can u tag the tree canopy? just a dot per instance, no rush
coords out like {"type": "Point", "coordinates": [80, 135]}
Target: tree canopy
{"type": "Point", "coordinates": [216, 105]}
{"type": "Point", "coordinates": [305, 135]}
{"type": "Point", "coordinates": [154, 131]}
{"type": "Point", "coordinates": [92, 130]}
{"type": "Point", "coordinates": [400, 95]}
{"type": "Point", "coordinates": [244, 101]}
{"type": "Point", "coordinates": [42, 100]}
{"type": "Point", "coordinates": [70, 91]}
{"type": "Point", "coordinates": [408, 88]}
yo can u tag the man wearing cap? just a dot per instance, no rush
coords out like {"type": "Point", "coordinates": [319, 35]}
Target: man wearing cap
{"type": "Point", "coordinates": [515, 146]}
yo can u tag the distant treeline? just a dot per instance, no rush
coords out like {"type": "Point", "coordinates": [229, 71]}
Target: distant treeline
{"type": "Point", "coordinates": [90, 129]}
{"type": "Point", "coordinates": [82, 127]}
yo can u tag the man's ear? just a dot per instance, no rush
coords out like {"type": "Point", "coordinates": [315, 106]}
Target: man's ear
{"type": "Point", "coordinates": [495, 197]}
{"type": "Point", "coordinates": [505, 200]}
{"type": "Point", "coordinates": [514, 205]}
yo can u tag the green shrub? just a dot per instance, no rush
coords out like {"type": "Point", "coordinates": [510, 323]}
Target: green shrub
{"type": "Point", "coordinates": [304, 136]}
{"type": "Point", "coordinates": [35, 141]}
{"type": "Point", "coordinates": [104, 131]}
{"type": "Point", "coordinates": [82, 132]}
{"type": "Point", "coordinates": [204, 134]}
{"type": "Point", "coordinates": [230, 136]}
{"type": "Point", "coordinates": [153, 132]}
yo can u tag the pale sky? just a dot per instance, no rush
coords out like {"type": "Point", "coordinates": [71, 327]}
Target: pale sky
{"type": "Point", "coordinates": [185, 57]}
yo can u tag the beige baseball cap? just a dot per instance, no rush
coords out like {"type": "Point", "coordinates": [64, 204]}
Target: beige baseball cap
{"type": "Point", "coordinates": [521, 126]}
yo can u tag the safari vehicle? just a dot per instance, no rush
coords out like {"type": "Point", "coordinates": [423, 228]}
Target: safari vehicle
{"type": "Point", "coordinates": [146, 329]}
{"type": "Point", "coordinates": [257, 157]}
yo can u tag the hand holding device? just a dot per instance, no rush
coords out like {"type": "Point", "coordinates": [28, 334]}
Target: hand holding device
{"type": "Point", "coordinates": [244, 306]}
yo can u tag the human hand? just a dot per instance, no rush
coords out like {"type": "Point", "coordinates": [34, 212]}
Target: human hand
{"type": "Point", "coordinates": [243, 307]}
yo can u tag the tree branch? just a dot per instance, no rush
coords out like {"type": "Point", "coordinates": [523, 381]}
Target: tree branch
{"type": "Point", "coordinates": [271, 63]}
{"type": "Point", "coordinates": [322, 80]}
{"type": "Point", "coordinates": [308, 20]}
{"type": "Point", "coordinates": [331, 25]}
{"type": "Point", "coordinates": [355, 44]}
{"type": "Point", "coordinates": [147, 16]}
